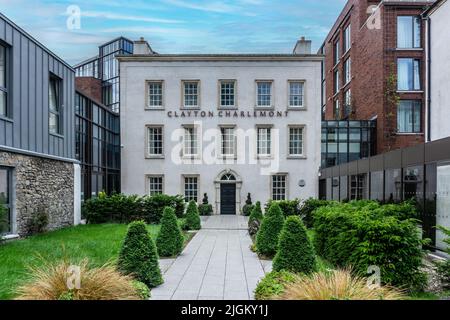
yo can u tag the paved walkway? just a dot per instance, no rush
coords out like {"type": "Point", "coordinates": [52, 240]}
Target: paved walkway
{"type": "Point", "coordinates": [216, 265]}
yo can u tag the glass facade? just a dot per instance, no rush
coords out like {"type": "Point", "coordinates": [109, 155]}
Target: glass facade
{"type": "Point", "coordinates": [97, 147]}
{"type": "Point", "coordinates": [106, 68]}
{"type": "Point", "coordinates": [345, 141]}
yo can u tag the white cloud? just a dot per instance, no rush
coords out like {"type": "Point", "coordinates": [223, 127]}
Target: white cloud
{"type": "Point", "coordinates": [209, 6]}
{"type": "Point", "coordinates": [115, 16]}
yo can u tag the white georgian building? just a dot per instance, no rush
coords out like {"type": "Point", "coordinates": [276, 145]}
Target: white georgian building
{"type": "Point", "coordinates": [225, 125]}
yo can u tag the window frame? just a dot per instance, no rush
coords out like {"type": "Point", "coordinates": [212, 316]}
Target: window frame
{"type": "Point", "coordinates": [412, 108]}
{"type": "Point", "coordinates": [148, 178]}
{"type": "Point", "coordinates": [273, 193]}
{"type": "Point", "coordinates": [337, 81]}
{"type": "Point", "coordinates": [148, 95]}
{"type": "Point", "coordinates": [413, 19]}
{"type": "Point", "coordinates": [272, 100]}
{"type": "Point", "coordinates": [58, 113]}
{"type": "Point", "coordinates": [336, 52]}
{"type": "Point", "coordinates": [198, 146]}
{"type": "Point", "coordinates": [149, 155]}
{"type": "Point", "coordinates": [301, 155]}
{"type": "Point", "coordinates": [10, 201]}
{"type": "Point", "coordinates": [184, 183]}
{"type": "Point", "coordinates": [347, 38]}
{"type": "Point", "coordinates": [337, 109]}
{"type": "Point", "coordinates": [221, 147]}
{"type": "Point", "coordinates": [183, 94]}
{"type": "Point", "coordinates": [414, 75]}
{"type": "Point", "coordinates": [269, 142]}
{"type": "Point", "coordinates": [235, 94]}
{"type": "Point", "coordinates": [7, 74]}
{"type": "Point", "coordinates": [348, 70]}
{"type": "Point", "coordinates": [303, 95]}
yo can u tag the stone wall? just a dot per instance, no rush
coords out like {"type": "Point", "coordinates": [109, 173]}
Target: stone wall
{"type": "Point", "coordinates": [41, 184]}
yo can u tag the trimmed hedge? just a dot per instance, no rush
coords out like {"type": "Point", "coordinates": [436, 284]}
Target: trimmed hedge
{"type": "Point", "coordinates": [364, 233]}
{"type": "Point", "coordinates": [138, 256]}
{"type": "Point", "coordinates": [295, 251]}
{"type": "Point", "coordinates": [288, 207]}
{"type": "Point", "coordinates": [307, 210]}
{"type": "Point", "coordinates": [268, 234]}
{"type": "Point", "coordinates": [256, 214]}
{"type": "Point", "coordinates": [120, 208]}
{"type": "Point", "coordinates": [193, 221]}
{"type": "Point", "coordinates": [170, 238]}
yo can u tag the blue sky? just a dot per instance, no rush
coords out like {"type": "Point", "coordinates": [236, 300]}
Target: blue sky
{"type": "Point", "coordinates": [176, 26]}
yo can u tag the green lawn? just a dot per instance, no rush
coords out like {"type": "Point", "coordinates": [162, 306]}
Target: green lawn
{"type": "Point", "coordinates": [98, 243]}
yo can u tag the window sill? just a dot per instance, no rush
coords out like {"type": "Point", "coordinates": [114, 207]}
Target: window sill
{"type": "Point", "coordinates": [410, 91]}
{"type": "Point", "coordinates": [230, 157]}
{"type": "Point", "coordinates": [194, 157]}
{"type": "Point", "coordinates": [409, 49]}
{"type": "Point", "coordinates": [409, 133]}
{"type": "Point", "coordinates": [296, 157]}
{"type": "Point", "coordinates": [227, 108]}
{"type": "Point", "coordinates": [154, 108]}
{"type": "Point", "coordinates": [5, 118]}
{"type": "Point", "coordinates": [154, 157]}
{"type": "Point", "coordinates": [10, 237]}
{"type": "Point", "coordinates": [265, 157]}
{"type": "Point", "coordinates": [190, 108]}
{"type": "Point", "coordinates": [296, 108]}
{"type": "Point", "coordinates": [57, 135]}
{"type": "Point", "coordinates": [262, 108]}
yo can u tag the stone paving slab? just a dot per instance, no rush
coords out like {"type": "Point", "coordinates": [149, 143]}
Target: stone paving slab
{"type": "Point", "coordinates": [217, 264]}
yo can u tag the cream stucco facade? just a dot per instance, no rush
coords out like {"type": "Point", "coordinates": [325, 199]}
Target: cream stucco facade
{"type": "Point", "coordinates": [156, 143]}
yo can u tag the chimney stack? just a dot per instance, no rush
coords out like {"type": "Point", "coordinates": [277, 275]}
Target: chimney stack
{"type": "Point", "coordinates": [303, 46]}
{"type": "Point", "coordinates": [141, 46]}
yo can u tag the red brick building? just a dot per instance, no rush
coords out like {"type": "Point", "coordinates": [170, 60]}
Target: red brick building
{"type": "Point", "coordinates": [375, 69]}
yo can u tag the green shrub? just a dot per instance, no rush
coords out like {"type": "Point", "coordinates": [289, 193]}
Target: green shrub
{"type": "Point", "coordinates": [268, 234]}
{"type": "Point", "coordinates": [288, 207]}
{"type": "Point", "coordinates": [119, 208]}
{"type": "Point", "coordinates": [38, 222]}
{"type": "Point", "coordinates": [307, 209]}
{"type": "Point", "coordinates": [363, 234]}
{"type": "Point", "coordinates": [142, 290]}
{"type": "Point", "coordinates": [193, 221]}
{"type": "Point", "coordinates": [295, 251]}
{"type": "Point", "coordinates": [138, 256]}
{"type": "Point", "coordinates": [273, 284]}
{"type": "Point", "coordinates": [170, 238]}
{"type": "Point", "coordinates": [154, 206]}
{"type": "Point", "coordinates": [443, 268]}
{"type": "Point", "coordinates": [256, 213]}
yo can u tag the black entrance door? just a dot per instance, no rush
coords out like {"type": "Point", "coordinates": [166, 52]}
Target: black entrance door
{"type": "Point", "coordinates": [228, 199]}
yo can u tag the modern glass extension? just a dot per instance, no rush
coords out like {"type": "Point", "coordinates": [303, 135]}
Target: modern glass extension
{"type": "Point", "coordinates": [345, 141]}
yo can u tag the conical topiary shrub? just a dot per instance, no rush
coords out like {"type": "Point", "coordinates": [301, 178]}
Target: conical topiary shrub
{"type": "Point", "coordinates": [193, 221]}
{"type": "Point", "coordinates": [138, 256]}
{"type": "Point", "coordinates": [267, 237]}
{"type": "Point", "coordinates": [256, 213]}
{"type": "Point", "coordinates": [295, 251]}
{"type": "Point", "coordinates": [170, 238]}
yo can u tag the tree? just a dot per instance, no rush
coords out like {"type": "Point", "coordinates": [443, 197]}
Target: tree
{"type": "Point", "coordinates": [193, 221]}
{"type": "Point", "coordinates": [170, 238]}
{"type": "Point", "coordinates": [295, 251]}
{"type": "Point", "coordinates": [267, 237]}
{"type": "Point", "coordinates": [138, 256]}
